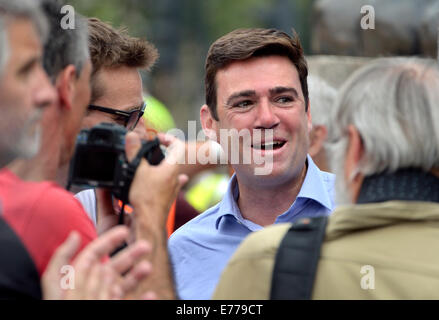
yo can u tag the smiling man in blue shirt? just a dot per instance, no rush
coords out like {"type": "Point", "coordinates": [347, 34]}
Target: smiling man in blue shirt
{"type": "Point", "coordinates": [256, 80]}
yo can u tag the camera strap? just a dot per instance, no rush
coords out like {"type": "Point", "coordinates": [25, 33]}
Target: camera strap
{"type": "Point", "coordinates": [136, 161]}
{"type": "Point", "coordinates": [131, 168]}
{"type": "Point", "coordinates": [144, 152]}
{"type": "Point", "coordinates": [131, 171]}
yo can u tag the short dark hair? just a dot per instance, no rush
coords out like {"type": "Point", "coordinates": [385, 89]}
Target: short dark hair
{"type": "Point", "coordinates": [242, 44]}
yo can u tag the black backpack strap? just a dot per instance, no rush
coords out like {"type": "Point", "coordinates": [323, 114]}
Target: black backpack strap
{"type": "Point", "coordinates": [296, 260]}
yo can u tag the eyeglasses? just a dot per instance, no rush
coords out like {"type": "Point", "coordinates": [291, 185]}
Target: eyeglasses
{"type": "Point", "coordinates": [129, 118]}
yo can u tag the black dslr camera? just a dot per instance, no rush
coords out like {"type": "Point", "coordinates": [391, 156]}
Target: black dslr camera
{"type": "Point", "coordinates": [100, 161]}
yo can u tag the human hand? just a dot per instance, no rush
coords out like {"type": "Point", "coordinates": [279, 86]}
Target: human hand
{"type": "Point", "coordinates": [91, 278]}
{"type": "Point", "coordinates": [154, 188]}
{"type": "Point", "coordinates": [152, 193]}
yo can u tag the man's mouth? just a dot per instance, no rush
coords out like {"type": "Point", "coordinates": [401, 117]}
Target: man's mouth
{"type": "Point", "coordinates": [268, 145]}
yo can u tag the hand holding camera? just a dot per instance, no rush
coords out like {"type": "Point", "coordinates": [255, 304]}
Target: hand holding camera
{"type": "Point", "coordinates": [156, 187]}
{"type": "Point", "coordinates": [107, 157]}
{"type": "Point", "coordinates": [100, 160]}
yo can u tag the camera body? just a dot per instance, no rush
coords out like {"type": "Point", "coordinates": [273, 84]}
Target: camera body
{"type": "Point", "coordinates": [100, 160]}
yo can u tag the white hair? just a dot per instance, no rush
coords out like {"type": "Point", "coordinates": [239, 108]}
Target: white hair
{"type": "Point", "coordinates": [321, 97]}
{"type": "Point", "coordinates": [19, 9]}
{"type": "Point", "coordinates": [394, 105]}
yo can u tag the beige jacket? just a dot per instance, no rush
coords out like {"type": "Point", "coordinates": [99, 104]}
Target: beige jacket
{"type": "Point", "coordinates": [395, 244]}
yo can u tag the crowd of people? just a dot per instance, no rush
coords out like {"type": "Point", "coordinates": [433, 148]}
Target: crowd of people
{"type": "Point", "coordinates": [353, 185]}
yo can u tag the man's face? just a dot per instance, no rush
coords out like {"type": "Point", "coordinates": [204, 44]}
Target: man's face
{"type": "Point", "coordinates": [121, 90]}
{"type": "Point", "coordinates": [24, 90]}
{"type": "Point", "coordinates": [265, 93]}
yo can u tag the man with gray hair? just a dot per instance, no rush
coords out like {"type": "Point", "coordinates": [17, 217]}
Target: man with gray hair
{"type": "Point", "coordinates": [380, 244]}
{"type": "Point", "coordinates": [322, 96]}
{"type": "Point", "coordinates": [24, 91]}
{"type": "Point", "coordinates": [22, 25]}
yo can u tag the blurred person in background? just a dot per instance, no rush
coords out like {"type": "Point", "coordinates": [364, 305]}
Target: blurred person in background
{"type": "Point", "coordinates": [158, 119]}
{"type": "Point", "coordinates": [322, 97]}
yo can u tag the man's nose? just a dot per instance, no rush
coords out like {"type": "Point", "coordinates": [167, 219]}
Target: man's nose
{"type": "Point", "coordinates": [266, 116]}
{"type": "Point", "coordinates": [45, 93]}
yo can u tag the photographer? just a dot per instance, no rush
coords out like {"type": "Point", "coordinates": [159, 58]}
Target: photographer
{"type": "Point", "coordinates": [113, 74]}
{"type": "Point", "coordinates": [117, 59]}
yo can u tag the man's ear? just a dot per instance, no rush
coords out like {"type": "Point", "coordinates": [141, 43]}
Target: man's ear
{"type": "Point", "coordinates": [209, 124]}
{"type": "Point", "coordinates": [355, 148]}
{"type": "Point", "coordinates": [317, 139]}
{"type": "Point", "coordinates": [354, 153]}
{"type": "Point", "coordinates": [65, 84]}
{"type": "Point", "coordinates": [309, 119]}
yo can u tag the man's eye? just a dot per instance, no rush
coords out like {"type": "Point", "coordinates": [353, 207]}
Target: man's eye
{"type": "Point", "coordinates": [243, 104]}
{"type": "Point", "coordinates": [285, 100]}
{"type": "Point", "coordinates": [120, 120]}
{"type": "Point", "coordinates": [26, 70]}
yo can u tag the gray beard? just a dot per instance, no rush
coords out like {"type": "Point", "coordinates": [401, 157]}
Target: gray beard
{"type": "Point", "coordinates": [23, 146]}
{"type": "Point", "coordinates": [29, 145]}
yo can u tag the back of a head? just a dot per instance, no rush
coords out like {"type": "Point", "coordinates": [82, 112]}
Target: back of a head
{"type": "Point", "coordinates": [112, 48]}
{"type": "Point", "coordinates": [393, 103]}
{"type": "Point", "coordinates": [28, 9]}
{"type": "Point", "coordinates": [243, 44]}
{"type": "Point", "coordinates": [66, 46]}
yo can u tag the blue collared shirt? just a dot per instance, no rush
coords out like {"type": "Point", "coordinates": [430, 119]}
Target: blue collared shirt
{"type": "Point", "coordinates": [201, 248]}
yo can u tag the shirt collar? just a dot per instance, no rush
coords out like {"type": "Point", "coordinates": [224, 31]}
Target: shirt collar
{"type": "Point", "coordinates": [313, 188]}
{"type": "Point", "coordinates": [228, 205]}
